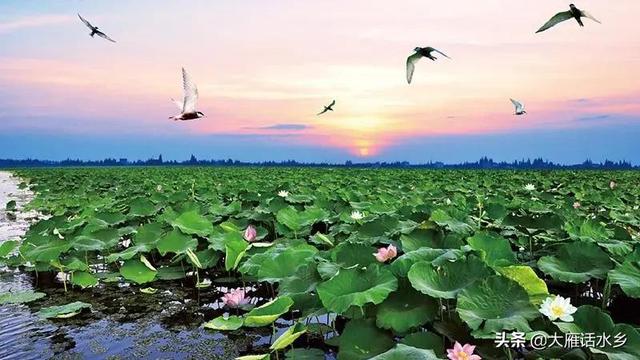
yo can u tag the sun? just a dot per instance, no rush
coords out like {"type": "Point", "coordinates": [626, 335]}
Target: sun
{"type": "Point", "coordinates": [363, 151]}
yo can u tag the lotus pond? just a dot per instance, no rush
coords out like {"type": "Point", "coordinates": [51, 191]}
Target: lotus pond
{"type": "Point", "coordinates": [273, 263]}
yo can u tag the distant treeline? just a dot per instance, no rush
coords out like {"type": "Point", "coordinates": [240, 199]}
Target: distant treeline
{"type": "Point", "coordinates": [483, 163]}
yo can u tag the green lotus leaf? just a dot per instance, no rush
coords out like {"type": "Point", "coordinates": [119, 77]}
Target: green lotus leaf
{"type": "Point", "coordinates": [547, 221]}
{"type": "Point", "coordinates": [361, 340]}
{"type": "Point", "coordinates": [280, 266]}
{"type": "Point", "coordinates": [288, 337]}
{"type": "Point", "coordinates": [298, 220]}
{"type": "Point", "coordinates": [136, 271]}
{"type": "Point", "coordinates": [405, 309]}
{"type": "Point", "coordinates": [355, 287]}
{"type": "Point", "coordinates": [591, 320]}
{"type": "Point", "coordinates": [20, 297]}
{"type": "Point", "coordinates": [304, 354]}
{"type": "Point", "coordinates": [529, 280]}
{"type": "Point", "coordinates": [176, 242]}
{"type": "Point", "coordinates": [75, 264]}
{"type": "Point", "coordinates": [141, 207]}
{"type": "Point", "coordinates": [46, 252]}
{"type": "Point", "coordinates": [404, 352]}
{"type": "Point", "coordinates": [235, 249]}
{"type": "Point", "coordinates": [627, 275]}
{"type": "Point", "coordinates": [111, 218]}
{"type": "Point", "coordinates": [576, 262]}
{"type": "Point", "coordinates": [225, 324]}
{"type": "Point", "coordinates": [448, 280]}
{"type": "Point", "coordinates": [425, 340]}
{"type": "Point", "coordinates": [494, 250]}
{"type": "Point", "coordinates": [254, 357]}
{"type": "Point", "coordinates": [97, 240]}
{"type": "Point", "coordinates": [496, 303]}
{"type": "Point", "coordinates": [171, 273]}
{"type": "Point", "coordinates": [191, 222]}
{"type": "Point", "coordinates": [83, 279]}
{"type": "Point", "coordinates": [590, 230]}
{"type": "Point", "coordinates": [130, 252]}
{"type": "Point", "coordinates": [63, 311]}
{"type": "Point", "coordinates": [421, 238]}
{"type": "Point", "coordinates": [442, 218]}
{"type": "Point", "coordinates": [268, 313]}
{"type": "Point", "coordinates": [148, 233]}
{"type": "Point", "coordinates": [350, 254]}
{"type": "Point", "coordinates": [378, 229]}
{"type": "Point", "coordinates": [208, 258]}
{"type": "Point", "coordinates": [7, 247]}
{"type": "Point", "coordinates": [404, 262]}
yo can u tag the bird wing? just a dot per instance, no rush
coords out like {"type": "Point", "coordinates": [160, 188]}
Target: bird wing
{"type": "Point", "coordinates": [517, 104]}
{"type": "Point", "coordinates": [104, 36]}
{"type": "Point", "coordinates": [179, 104]}
{"type": "Point", "coordinates": [556, 19]}
{"type": "Point", "coordinates": [411, 65]}
{"type": "Point", "coordinates": [332, 103]}
{"type": "Point", "coordinates": [190, 93]}
{"type": "Point", "coordinates": [322, 112]}
{"type": "Point", "coordinates": [86, 22]}
{"type": "Point", "coordinates": [441, 53]}
{"type": "Point", "coordinates": [589, 16]}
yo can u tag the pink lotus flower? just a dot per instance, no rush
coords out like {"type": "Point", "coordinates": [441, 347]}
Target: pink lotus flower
{"type": "Point", "coordinates": [235, 298]}
{"type": "Point", "coordinates": [460, 352]}
{"type": "Point", "coordinates": [250, 233]}
{"type": "Point", "coordinates": [576, 205]}
{"type": "Point", "coordinates": [386, 254]}
{"type": "Point", "coordinates": [612, 185]}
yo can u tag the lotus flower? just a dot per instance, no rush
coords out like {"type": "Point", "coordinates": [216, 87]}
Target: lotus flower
{"type": "Point", "coordinates": [235, 298]}
{"type": "Point", "coordinates": [159, 188]}
{"type": "Point", "coordinates": [558, 308]}
{"type": "Point", "coordinates": [576, 205]}
{"type": "Point", "coordinates": [126, 243]}
{"type": "Point", "coordinates": [386, 254]}
{"type": "Point", "coordinates": [612, 185]}
{"type": "Point", "coordinates": [530, 187]}
{"type": "Point", "coordinates": [357, 215]}
{"type": "Point", "coordinates": [462, 352]}
{"type": "Point", "coordinates": [250, 233]}
{"type": "Point", "coordinates": [283, 193]}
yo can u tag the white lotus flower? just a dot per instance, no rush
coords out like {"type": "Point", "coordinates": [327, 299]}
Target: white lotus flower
{"type": "Point", "coordinates": [283, 193]}
{"type": "Point", "coordinates": [357, 215]}
{"type": "Point", "coordinates": [126, 243]}
{"type": "Point", "coordinates": [530, 187]}
{"type": "Point", "coordinates": [558, 308]}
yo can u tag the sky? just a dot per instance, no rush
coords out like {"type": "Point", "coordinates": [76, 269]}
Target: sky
{"type": "Point", "coordinates": [265, 68]}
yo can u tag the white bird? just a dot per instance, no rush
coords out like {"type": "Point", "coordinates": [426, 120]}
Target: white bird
{"type": "Point", "coordinates": [94, 30]}
{"type": "Point", "coordinates": [328, 108]}
{"type": "Point", "coordinates": [572, 13]}
{"type": "Point", "coordinates": [188, 104]}
{"type": "Point", "coordinates": [420, 53]}
{"type": "Point", "coordinates": [519, 107]}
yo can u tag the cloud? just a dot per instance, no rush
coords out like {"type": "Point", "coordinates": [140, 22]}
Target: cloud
{"type": "Point", "coordinates": [296, 127]}
{"type": "Point", "coordinates": [32, 22]}
{"type": "Point", "coordinates": [593, 117]}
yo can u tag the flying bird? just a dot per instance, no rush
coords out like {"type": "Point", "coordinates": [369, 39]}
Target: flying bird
{"type": "Point", "coordinates": [94, 30]}
{"type": "Point", "coordinates": [572, 13]}
{"type": "Point", "coordinates": [188, 104]}
{"type": "Point", "coordinates": [420, 53]}
{"type": "Point", "coordinates": [328, 108]}
{"type": "Point", "coordinates": [519, 107]}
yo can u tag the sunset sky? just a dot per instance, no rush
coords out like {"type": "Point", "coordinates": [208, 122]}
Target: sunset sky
{"type": "Point", "coordinates": [265, 68]}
